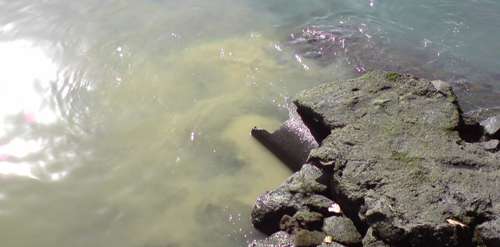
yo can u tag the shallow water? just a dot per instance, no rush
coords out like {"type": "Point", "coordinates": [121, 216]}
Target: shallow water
{"type": "Point", "coordinates": [126, 123]}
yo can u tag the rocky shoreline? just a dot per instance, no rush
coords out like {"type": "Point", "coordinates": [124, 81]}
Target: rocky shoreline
{"type": "Point", "coordinates": [398, 164]}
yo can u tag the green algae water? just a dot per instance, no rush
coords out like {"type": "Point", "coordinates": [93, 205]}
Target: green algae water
{"type": "Point", "coordinates": [126, 123]}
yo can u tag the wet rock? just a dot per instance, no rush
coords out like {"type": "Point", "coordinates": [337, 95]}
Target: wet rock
{"type": "Point", "coordinates": [289, 224]}
{"type": "Point", "coordinates": [279, 239]}
{"type": "Point", "coordinates": [442, 86]}
{"type": "Point", "coordinates": [309, 220]}
{"type": "Point", "coordinates": [402, 167]}
{"type": "Point", "coordinates": [371, 241]}
{"type": "Point", "coordinates": [301, 220]}
{"type": "Point", "coordinates": [488, 233]}
{"type": "Point", "coordinates": [479, 115]}
{"type": "Point", "coordinates": [491, 145]}
{"type": "Point", "coordinates": [291, 143]}
{"type": "Point", "coordinates": [299, 192]}
{"type": "Point", "coordinates": [491, 125]}
{"type": "Point", "coordinates": [306, 238]}
{"type": "Point", "coordinates": [342, 230]}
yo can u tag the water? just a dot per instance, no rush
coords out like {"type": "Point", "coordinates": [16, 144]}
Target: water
{"type": "Point", "coordinates": [126, 123]}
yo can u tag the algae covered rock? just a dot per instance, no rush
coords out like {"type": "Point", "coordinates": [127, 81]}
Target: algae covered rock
{"type": "Point", "coordinates": [399, 164]}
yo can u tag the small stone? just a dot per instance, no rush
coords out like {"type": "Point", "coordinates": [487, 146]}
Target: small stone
{"type": "Point", "coordinates": [490, 145]}
{"type": "Point", "coordinates": [342, 230]}
{"type": "Point", "coordinates": [309, 220]}
{"type": "Point", "coordinates": [491, 125]}
{"type": "Point", "coordinates": [305, 238]}
{"type": "Point", "coordinates": [318, 203]}
{"type": "Point", "coordinates": [441, 86]}
{"type": "Point", "coordinates": [289, 224]}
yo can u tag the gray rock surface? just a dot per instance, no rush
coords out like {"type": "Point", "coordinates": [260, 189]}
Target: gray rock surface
{"type": "Point", "coordinates": [279, 239]}
{"type": "Point", "coordinates": [479, 115]}
{"type": "Point", "coordinates": [291, 143]}
{"type": "Point", "coordinates": [371, 241]}
{"type": "Point", "coordinates": [488, 233]}
{"type": "Point", "coordinates": [399, 164]}
{"type": "Point", "coordinates": [491, 145]}
{"type": "Point", "coordinates": [491, 125]}
{"type": "Point", "coordinates": [342, 230]}
{"type": "Point", "coordinates": [306, 238]}
{"type": "Point", "coordinates": [301, 191]}
{"type": "Point", "coordinates": [331, 245]}
{"type": "Point", "coordinates": [309, 220]}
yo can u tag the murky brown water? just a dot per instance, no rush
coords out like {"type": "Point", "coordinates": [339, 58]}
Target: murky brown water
{"type": "Point", "coordinates": [126, 123]}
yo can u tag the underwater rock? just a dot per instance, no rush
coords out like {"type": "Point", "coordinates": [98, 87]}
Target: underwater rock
{"type": "Point", "coordinates": [342, 230]}
{"type": "Point", "coordinates": [357, 48]}
{"type": "Point", "coordinates": [401, 167]}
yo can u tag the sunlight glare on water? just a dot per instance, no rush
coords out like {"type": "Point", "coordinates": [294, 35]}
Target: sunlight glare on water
{"type": "Point", "coordinates": [27, 70]}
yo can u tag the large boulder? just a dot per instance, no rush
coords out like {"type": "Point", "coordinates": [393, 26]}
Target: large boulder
{"type": "Point", "coordinates": [398, 162]}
